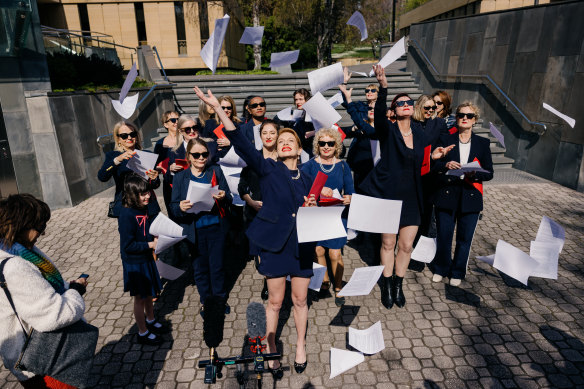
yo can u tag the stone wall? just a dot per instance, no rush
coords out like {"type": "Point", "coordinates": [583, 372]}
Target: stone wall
{"type": "Point", "coordinates": [535, 55]}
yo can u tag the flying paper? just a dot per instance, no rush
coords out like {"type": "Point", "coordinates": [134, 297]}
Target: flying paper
{"type": "Point", "coordinates": [326, 78]}
{"type": "Point", "coordinates": [314, 224]}
{"type": "Point", "coordinates": [130, 78]}
{"type": "Point", "coordinates": [513, 262]}
{"type": "Point", "coordinates": [550, 231]}
{"type": "Point", "coordinates": [288, 114]}
{"type": "Point", "coordinates": [141, 162]}
{"type": "Point", "coordinates": [252, 36]}
{"type": "Point", "coordinates": [362, 281]}
{"type": "Point", "coordinates": [231, 159]}
{"type": "Point", "coordinates": [257, 138]}
{"type": "Point", "coordinates": [284, 58]}
{"type": "Point", "coordinates": [336, 100]}
{"type": "Point", "coordinates": [371, 214]}
{"type": "Point", "coordinates": [201, 195]}
{"type": "Point", "coordinates": [126, 109]}
{"type": "Point", "coordinates": [212, 49]}
{"type": "Point", "coordinates": [321, 112]}
{"type": "Point", "coordinates": [318, 272]}
{"type": "Point", "coordinates": [304, 157]}
{"type": "Point", "coordinates": [165, 242]}
{"type": "Point", "coordinates": [168, 272]}
{"type": "Point", "coordinates": [368, 341]}
{"type": "Point", "coordinates": [546, 254]}
{"type": "Point", "coordinates": [343, 360]}
{"type": "Point", "coordinates": [398, 49]}
{"type": "Point", "coordinates": [425, 250]}
{"type": "Point", "coordinates": [375, 151]}
{"type": "Point", "coordinates": [490, 259]}
{"type": "Point", "coordinates": [358, 21]}
{"type": "Point", "coordinates": [362, 74]}
{"type": "Point", "coordinates": [569, 120]}
{"type": "Point", "coordinates": [497, 134]}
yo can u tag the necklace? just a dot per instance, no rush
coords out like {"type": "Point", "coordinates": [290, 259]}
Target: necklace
{"type": "Point", "coordinates": [200, 175]}
{"type": "Point", "coordinates": [464, 143]}
{"type": "Point", "coordinates": [407, 133]}
{"type": "Point", "coordinates": [297, 175]}
{"type": "Point", "coordinates": [325, 170]}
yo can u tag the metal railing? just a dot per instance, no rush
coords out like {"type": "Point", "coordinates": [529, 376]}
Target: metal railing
{"type": "Point", "coordinates": [160, 62]}
{"type": "Point", "coordinates": [482, 77]}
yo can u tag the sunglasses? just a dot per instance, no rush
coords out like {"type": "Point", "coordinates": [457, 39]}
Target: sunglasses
{"type": "Point", "coordinates": [371, 108]}
{"type": "Point", "coordinates": [401, 103]}
{"type": "Point", "coordinates": [255, 105]}
{"type": "Point", "coordinates": [467, 115]}
{"type": "Point", "coordinates": [188, 130]}
{"type": "Point", "coordinates": [439, 103]}
{"type": "Point", "coordinates": [204, 154]}
{"type": "Point", "coordinates": [227, 108]}
{"type": "Point", "coordinates": [370, 90]}
{"type": "Point", "coordinates": [125, 136]}
{"type": "Point", "coordinates": [322, 143]}
{"type": "Point", "coordinates": [430, 108]}
{"type": "Point", "coordinates": [174, 120]}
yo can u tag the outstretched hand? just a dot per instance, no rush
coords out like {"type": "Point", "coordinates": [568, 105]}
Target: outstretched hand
{"type": "Point", "coordinates": [209, 99]}
{"type": "Point", "coordinates": [441, 152]}
{"type": "Point", "coordinates": [346, 92]}
{"type": "Point", "coordinates": [380, 75]}
{"type": "Point", "coordinates": [346, 74]}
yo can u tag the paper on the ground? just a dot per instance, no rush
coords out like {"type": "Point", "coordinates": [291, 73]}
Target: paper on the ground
{"type": "Point", "coordinates": [288, 114]}
{"type": "Point", "coordinates": [321, 112]}
{"type": "Point", "coordinates": [497, 134]}
{"type": "Point", "coordinates": [284, 58]}
{"type": "Point", "coordinates": [343, 360]}
{"type": "Point", "coordinates": [304, 157]}
{"type": "Point", "coordinates": [398, 49]}
{"type": "Point", "coordinates": [231, 159]}
{"type": "Point", "coordinates": [252, 36]}
{"type": "Point", "coordinates": [201, 195]}
{"type": "Point", "coordinates": [168, 272]}
{"type": "Point", "coordinates": [141, 162]}
{"type": "Point", "coordinates": [550, 231]}
{"type": "Point", "coordinates": [314, 224]}
{"type": "Point", "coordinates": [546, 254]}
{"type": "Point", "coordinates": [130, 78]}
{"type": "Point", "coordinates": [474, 166]}
{"type": "Point", "coordinates": [165, 242]}
{"type": "Point", "coordinates": [487, 259]}
{"type": "Point", "coordinates": [358, 21]}
{"type": "Point", "coordinates": [317, 277]}
{"type": "Point", "coordinates": [126, 109]}
{"type": "Point", "coordinates": [212, 49]}
{"type": "Point", "coordinates": [362, 281]}
{"type": "Point", "coordinates": [569, 120]}
{"type": "Point", "coordinates": [162, 225]}
{"type": "Point", "coordinates": [368, 341]}
{"type": "Point", "coordinates": [371, 214]}
{"type": "Point", "coordinates": [257, 139]}
{"type": "Point", "coordinates": [336, 100]}
{"type": "Point", "coordinates": [425, 250]}
{"type": "Point", "coordinates": [375, 151]}
{"type": "Point", "coordinates": [326, 78]}
{"type": "Point", "coordinates": [513, 262]}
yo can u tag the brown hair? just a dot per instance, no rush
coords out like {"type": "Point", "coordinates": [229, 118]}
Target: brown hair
{"type": "Point", "coordinates": [271, 123]}
{"type": "Point", "coordinates": [470, 105]}
{"type": "Point", "coordinates": [203, 114]}
{"type": "Point", "coordinates": [333, 133]}
{"type": "Point", "coordinates": [20, 213]}
{"type": "Point", "coordinates": [373, 86]}
{"type": "Point", "coordinates": [233, 117]}
{"type": "Point", "coordinates": [304, 92]}
{"type": "Point", "coordinates": [134, 186]}
{"type": "Point", "coordinates": [132, 126]}
{"type": "Point", "coordinates": [394, 101]}
{"type": "Point", "coordinates": [445, 98]}
{"type": "Point", "coordinates": [192, 143]}
{"type": "Point", "coordinates": [166, 115]}
{"type": "Point", "coordinates": [419, 108]}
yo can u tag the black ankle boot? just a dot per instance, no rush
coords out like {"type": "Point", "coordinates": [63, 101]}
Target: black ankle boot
{"type": "Point", "coordinates": [264, 294]}
{"type": "Point", "coordinates": [397, 292]}
{"type": "Point", "coordinates": [386, 287]}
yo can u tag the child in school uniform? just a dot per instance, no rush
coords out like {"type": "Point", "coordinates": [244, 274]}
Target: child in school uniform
{"type": "Point", "coordinates": [141, 276]}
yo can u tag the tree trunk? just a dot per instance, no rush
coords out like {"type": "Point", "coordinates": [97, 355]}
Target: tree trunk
{"type": "Point", "coordinates": [257, 49]}
{"type": "Point", "coordinates": [325, 29]}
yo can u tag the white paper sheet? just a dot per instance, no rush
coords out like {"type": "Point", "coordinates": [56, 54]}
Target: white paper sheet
{"type": "Point", "coordinates": [141, 162]}
{"type": "Point", "coordinates": [371, 214]}
{"type": "Point", "coordinates": [128, 82]}
{"type": "Point", "coordinates": [551, 231]}
{"type": "Point", "coordinates": [358, 21]}
{"type": "Point", "coordinates": [237, 201]}
{"type": "Point", "coordinates": [398, 49]}
{"type": "Point", "coordinates": [314, 224]}
{"type": "Point", "coordinates": [165, 242]}
{"type": "Point", "coordinates": [425, 250]}
{"type": "Point", "coordinates": [336, 100]}
{"type": "Point", "coordinates": [252, 36]}
{"type": "Point", "coordinates": [304, 157]}
{"type": "Point", "coordinates": [368, 341]}
{"type": "Point", "coordinates": [169, 272]}
{"type": "Point", "coordinates": [343, 360]}
{"type": "Point", "coordinates": [326, 78]}
{"type": "Point", "coordinates": [546, 254]}
{"type": "Point", "coordinates": [317, 276]}
{"type": "Point", "coordinates": [201, 195]}
{"type": "Point", "coordinates": [321, 112]}
{"type": "Point", "coordinates": [490, 259]}
{"type": "Point", "coordinates": [233, 182]}
{"type": "Point", "coordinates": [162, 225]}
{"type": "Point", "coordinates": [231, 159]}
{"type": "Point", "coordinates": [513, 262]}
{"type": "Point", "coordinates": [497, 134]}
{"type": "Point", "coordinates": [361, 74]}
{"type": "Point", "coordinates": [127, 109]}
{"type": "Point", "coordinates": [257, 139]}
{"type": "Point", "coordinates": [467, 168]}
{"type": "Point", "coordinates": [362, 281]}
{"type": "Point", "coordinates": [289, 114]}
{"type": "Point", "coordinates": [212, 49]}
{"type": "Point", "coordinates": [351, 234]}
{"type": "Point", "coordinates": [567, 119]}
{"type": "Point", "coordinates": [375, 151]}
{"type": "Point", "coordinates": [284, 58]}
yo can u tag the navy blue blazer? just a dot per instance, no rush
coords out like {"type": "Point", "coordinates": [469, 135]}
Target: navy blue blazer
{"type": "Point", "coordinates": [179, 192]}
{"type": "Point", "coordinates": [247, 130]}
{"type": "Point", "coordinates": [359, 153]}
{"type": "Point", "coordinates": [457, 194]}
{"type": "Point", "coordinates": [434, 129]}
{"type": "Point", "coordinates": [134, 229]}
{"type": "Point", "coordinates": [275, 223]}
{"type": "Point", "coordinates": [385, 178]}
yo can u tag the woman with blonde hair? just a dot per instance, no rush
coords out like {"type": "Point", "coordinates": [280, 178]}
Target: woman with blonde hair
{"type": "Point", "coordinates": [327, 148]}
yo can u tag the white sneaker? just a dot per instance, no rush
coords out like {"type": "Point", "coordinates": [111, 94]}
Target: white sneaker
{"type": "Point", "coordinates": [437, 278]}
{"type": "Point", "coordinates": [455, 281]}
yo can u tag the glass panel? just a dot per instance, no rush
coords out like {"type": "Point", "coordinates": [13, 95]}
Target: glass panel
{"type": "Point", "coordinates": [14, 25]}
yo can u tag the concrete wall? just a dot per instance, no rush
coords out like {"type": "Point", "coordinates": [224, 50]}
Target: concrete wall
{"type": "Point", "coordinates": [535, 55]}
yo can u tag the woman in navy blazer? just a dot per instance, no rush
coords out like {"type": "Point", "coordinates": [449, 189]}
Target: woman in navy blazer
{"type": "Point", "coordinates": [256, 109]}
{"type": "Point", "coordinates": [284, 188]}
{"type": "Point", "coordinates": [459, 200]}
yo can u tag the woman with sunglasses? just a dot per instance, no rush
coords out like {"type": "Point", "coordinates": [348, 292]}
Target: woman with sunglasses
{"type": "Point", "coordinates": [205, 231]}
{"type": "Point", "coordinates": [163, 146]}
{"type": "Point", "coordinates": [304, 129]}
{"type": "Point", "coordinates": [207, 120]}
{"type": "Point", "coordinates": [284, 188]}
{"type": "Point", "coordinates": [459, 199]}
{"type": "Point", "coordinates": [127, 140]}
{"type": "Point", "coordinates": [443, 103]}
{"type": "Point", "coordinates": [398, 176]}
{"type": "Point", "coordinates": [223, 144]}
{"type": "Point", "coordinates": [256, 109]}
{"type": "Point", "coordinates": [327, 148]}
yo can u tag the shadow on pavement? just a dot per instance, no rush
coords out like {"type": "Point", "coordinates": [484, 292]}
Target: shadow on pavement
{"type": "Point", "coordinates": [462, 296]}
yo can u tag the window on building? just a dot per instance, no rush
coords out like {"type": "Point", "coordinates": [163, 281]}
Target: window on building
{"type": "Point", "coordinates": [181, 36]}
{"type": "Point", "coordinates": [203, 21]}
{"type": "Point", "coordinates": [140, 23]}
{"type": "Point", "coordinates": [84, 22]}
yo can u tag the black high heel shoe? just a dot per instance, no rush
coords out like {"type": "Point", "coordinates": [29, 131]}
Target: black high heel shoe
{"type": "Point", "coordinates": [265, 294]}
{"type": "Point", "coordinates": [300, 367]}
{"type": "Point", "coordinates": [277, 373]}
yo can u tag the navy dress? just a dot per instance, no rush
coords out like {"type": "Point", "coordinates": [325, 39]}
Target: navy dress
{"type": "Point", "coordinates": [273, 231]}
{"type": "Point", "coordinates": [359, 156]}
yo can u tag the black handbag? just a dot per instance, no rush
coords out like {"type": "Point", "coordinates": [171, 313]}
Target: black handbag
{"type": "Point", "coordinates": [110, 210]}
{"type": "Point", "coordinates": [65, 354]}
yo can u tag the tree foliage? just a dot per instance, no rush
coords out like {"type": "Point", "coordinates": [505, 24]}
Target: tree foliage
{"type": "Point", "coordinates": [411, 4]}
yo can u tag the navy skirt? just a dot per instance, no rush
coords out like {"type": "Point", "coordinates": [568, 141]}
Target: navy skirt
{"type": "Point", "coordinates": [284, 263]}
{"type": "Point", "coordinates": [142, 279]}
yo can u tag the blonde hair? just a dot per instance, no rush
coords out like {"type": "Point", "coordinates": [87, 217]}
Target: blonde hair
{"type": "Point", "coordinates": [472, 106]}
{"type": "Point", "coordinates": [333, 133]}
{"type": "Point", "coordinates": [203, 114]}
{"type": "Point", "coordinates": [233, 117]}
{"type": "Point", "coordinates": [131, 126]}
{"type": "Point", "coordinates": [291, 131]}
{"type": "Point", "coordinates": [181, 121]}
{"type": "Point", "coordinates": [373, 86]}
{"type": "Point", "coordinates": [419, 108]}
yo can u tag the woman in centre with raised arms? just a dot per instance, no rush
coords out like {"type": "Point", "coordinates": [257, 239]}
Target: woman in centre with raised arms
{"type": "Point", "coordinates": [284, 188]}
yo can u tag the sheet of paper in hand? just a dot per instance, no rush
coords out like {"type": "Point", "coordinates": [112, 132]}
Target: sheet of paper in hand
{"type": "Point", "coordinates": [141, 162]}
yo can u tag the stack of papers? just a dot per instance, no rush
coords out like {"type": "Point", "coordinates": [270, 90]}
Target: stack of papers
{"type": "Point", "coordinates": [467, 168]}
{"type": "Point", "coordinates": [201, 195]}
{"type": "Point", "coordinates": [168, 232]}
{"type": "Point", "coordinates": [141, 162]}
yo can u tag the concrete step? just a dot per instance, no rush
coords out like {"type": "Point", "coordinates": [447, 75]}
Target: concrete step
{"type": "Point", "coordinates": [263, 78]}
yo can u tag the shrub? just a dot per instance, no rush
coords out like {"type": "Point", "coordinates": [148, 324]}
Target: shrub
{"type": "Point", "coordinates": [73, 71]}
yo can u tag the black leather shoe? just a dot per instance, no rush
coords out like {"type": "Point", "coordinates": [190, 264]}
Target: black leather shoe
{"type": "Point", "coordinates": [398, 292]}
{"type": "Point", "coordinates": [149, 339]}
{"type": "Point", "coordinates": [387, 299]}
{"type": "Point", "coordinates": [264, 295]}
{"type": "Point", "coordinates": [300, 367]}
{"type": "Point", "coordinates": [277, 372]}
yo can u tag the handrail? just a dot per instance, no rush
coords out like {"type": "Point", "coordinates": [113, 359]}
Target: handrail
{"type": "Point", "coordinates": [439, 75]}
{"type": "Point", "coordinates": [160, 62]}
{"type": "Point", "coordinates": [68, 32]}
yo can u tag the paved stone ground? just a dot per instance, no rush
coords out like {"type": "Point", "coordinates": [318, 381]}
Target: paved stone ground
{"type": "Point", "coordinates": [490, 332]}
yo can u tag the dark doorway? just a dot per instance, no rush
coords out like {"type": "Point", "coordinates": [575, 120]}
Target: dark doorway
{"type": "Point", "coordinates": [7, 176]}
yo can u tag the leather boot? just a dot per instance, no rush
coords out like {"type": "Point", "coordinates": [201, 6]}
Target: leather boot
{"type": "Point", "coordinates": [386, 287]}
{"type": "Point", "coordinates": [397, 293]}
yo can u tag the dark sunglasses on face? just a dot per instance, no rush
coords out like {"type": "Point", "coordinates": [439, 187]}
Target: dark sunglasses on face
{"type": "Point", "coordinates": [227, 108]}
{"type": "Point", "coordinates": [401, 103]}
{"type": "Point", "coordinates": [255, 105]}
{"type": "Point", "coordinates": [439, 103]}
{"type": "Point", "coordinates": [322, 143]}
{"type": "Point", "coordinates": [125, 136]}
{"type": "Point", "coordinates": [463, 115]}
{"type": "Point", "coordinates": [173, 120]}
{"type": "Point", "coordinates": [430, 108]}
{"type": "Point", "coordinates": [188, 130]}
{"type": "Point", "coordinates": [371, 108]}
{"type": "Point", "coordinates": [204, 154]}
{"type": "Point", "coordinates": [370, 90]}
